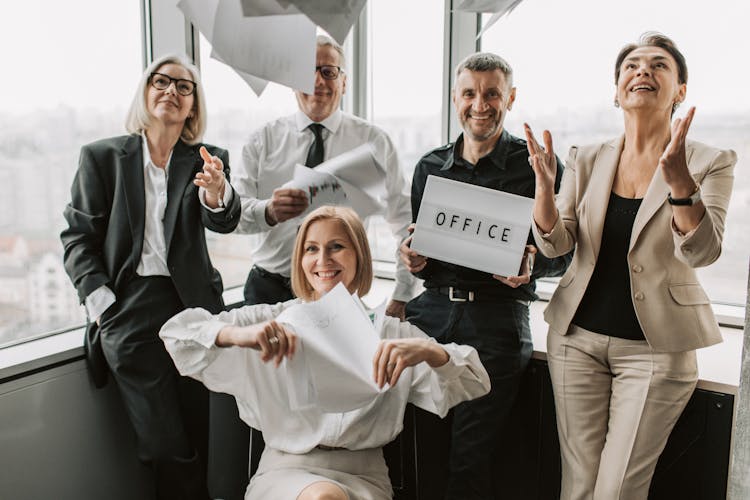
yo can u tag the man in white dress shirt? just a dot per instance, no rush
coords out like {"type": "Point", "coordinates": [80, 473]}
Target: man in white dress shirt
{"type": "Point", "coordinates": [269, 159]}
{"type": "Point", "coordinates": [318, 131]}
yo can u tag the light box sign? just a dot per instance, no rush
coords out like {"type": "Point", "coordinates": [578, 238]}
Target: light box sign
{"type": "Point", "coordinates": [472, 226]}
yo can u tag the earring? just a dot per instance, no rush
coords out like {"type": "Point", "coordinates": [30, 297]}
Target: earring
{"type": "Point", "coordinates": [675, 106]}
{"type": "Point", "coordinates": [617, 103]}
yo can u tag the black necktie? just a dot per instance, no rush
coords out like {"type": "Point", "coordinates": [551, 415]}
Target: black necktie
{"type": "Point", "coordinates": [315, 153]}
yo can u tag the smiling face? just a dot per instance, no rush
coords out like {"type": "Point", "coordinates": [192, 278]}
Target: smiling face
{"type": "Point", "coordinates": [168, 106]}
{"type": "Point", "coordinates": [327, 96]}
{"type": "Point", "coordinates": [482, 99]}
{"type": "Point", "coordinates": [649, 80]}
{"type": "Point", "coordinates": [329, 257]}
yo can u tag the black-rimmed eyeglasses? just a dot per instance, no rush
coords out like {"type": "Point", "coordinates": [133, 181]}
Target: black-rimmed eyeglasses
{"type": "Point", "coordinates": [328, 72]}
{"type": "Point", "coordinates": [162, 82]}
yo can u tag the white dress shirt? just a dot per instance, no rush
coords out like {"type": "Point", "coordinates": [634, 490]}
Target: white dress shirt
{"type": "Point", "coordinates": [268, 162]}
{"type": "Point", "coordinates": [263, 399]}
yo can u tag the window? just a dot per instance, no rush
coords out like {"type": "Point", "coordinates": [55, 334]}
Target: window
{"type": "Point", "coordinates": [406, 47]}
{"type": "Point", "coordinates": [563, 57]}
{"type": "Point", "coordinates": [68, 81]}
{"type": "Point", "coordinates": [234, 112]}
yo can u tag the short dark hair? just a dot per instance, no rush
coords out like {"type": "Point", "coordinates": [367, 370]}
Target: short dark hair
{"type": "Point", "coordinates": [486, 61]}
{"type": "Point", "coordinates": [654, 39]}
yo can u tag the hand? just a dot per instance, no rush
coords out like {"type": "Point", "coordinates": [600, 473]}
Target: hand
{"type": "Point", "coordinates": [396, 309]}
{"type": "Point", "coordinates": [542, 160]}
{"type": "Point", "coordinates": [673, 161]}
{"type": "Point", "coordinates": [212, 178]}
{"type": "Point", "coordinates": [395, 355]}
{"type": "Point", "coordinates": [524, 275]}
{"type": "Point", "coordinates": [272, 339]}
{"type": "Point", "coordinates": [285, 204]}
{"type": "Point", "coordinates": [411, 259]}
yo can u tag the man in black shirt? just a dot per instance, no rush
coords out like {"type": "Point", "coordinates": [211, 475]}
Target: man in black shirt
{"type": "Point", "coordinates": [467, 306]}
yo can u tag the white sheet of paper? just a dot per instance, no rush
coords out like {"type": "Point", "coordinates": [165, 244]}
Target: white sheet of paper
{"type": "Point", "coordinates": [335, 16]}
{"type": "Point", "coordinates": [333, 368]}
{"type": "Point", "coordinates": [252, 8]}
{"type": "Point", "coordinates": [275, 48]}
{"type": "Point", "coordinates": [321, 188]}
{"type": "Point", "coordinates": [497, 6]}
{"type": "Point", "coordinates": [362, 177]}
{"type": "Point", "coordinates": [202, 13]}
{"type": "Point", "coordinates": [472, 226]}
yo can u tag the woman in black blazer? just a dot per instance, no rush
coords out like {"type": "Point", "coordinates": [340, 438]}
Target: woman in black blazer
{"type": "Point", "coordinates": [135, 250]}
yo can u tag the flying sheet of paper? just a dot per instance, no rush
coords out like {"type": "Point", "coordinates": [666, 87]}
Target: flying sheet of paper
{"type": "Point", "coordinates": [274, 48]}
{"type": "Point", "coordinates": [332, 369]}
{"type": "Point", "coordinates": [321, 188]}
{"type": "Point", "coordinates": [335, 16]}
{"type": "Point", "coordinates": [500, 8]}
{"type": "Point", "coordinates": [202, 13]}
{"type": "Point", "coordinates": [353, 178]}
{"type": "Point", "coordinates": [251, 8]}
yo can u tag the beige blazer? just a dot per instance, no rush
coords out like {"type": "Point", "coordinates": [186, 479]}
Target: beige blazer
{"type": "Point", "coordinates": [672, 307]}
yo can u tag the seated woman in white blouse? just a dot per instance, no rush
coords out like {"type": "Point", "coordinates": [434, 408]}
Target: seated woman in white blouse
{"type": "Point", "coordinates": [310, 454]}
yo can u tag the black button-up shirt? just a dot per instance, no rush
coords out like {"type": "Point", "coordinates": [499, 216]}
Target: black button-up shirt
{"type": "Point", "coordinates": [505, 168]}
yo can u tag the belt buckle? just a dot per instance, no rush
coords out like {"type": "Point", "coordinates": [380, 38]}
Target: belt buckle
{"type": "Point", "coordinates": [459, 299]}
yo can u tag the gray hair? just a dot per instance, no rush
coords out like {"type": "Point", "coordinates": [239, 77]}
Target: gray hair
{"type": "Point", "coordinates": [139, 119]}
{"type": "Point", "coordinates": [486, 61]}
{"type": "Point", "coordinates": [327, 41]}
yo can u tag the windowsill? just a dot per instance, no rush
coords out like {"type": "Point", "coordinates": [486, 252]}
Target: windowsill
{"type": "Point", "coordinates": [718, 366]}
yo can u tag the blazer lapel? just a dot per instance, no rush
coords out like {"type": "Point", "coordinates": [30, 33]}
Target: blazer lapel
{"type": "Point", "coordinates": [131, 162]}
{"type": "Point", "coordinates": [600, 187]}
{"type": "Point", "coordinates": [181, 171]}
{"type": "Point", "coordinates": [656, 197]}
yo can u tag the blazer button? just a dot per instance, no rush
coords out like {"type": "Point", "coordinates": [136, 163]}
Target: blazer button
{"type": "Point", "coordinates": [636, 268]}
{"type": "Point", "coordinates": [639, 296]}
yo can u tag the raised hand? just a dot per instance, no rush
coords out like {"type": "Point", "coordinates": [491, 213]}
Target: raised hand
{"type": "Point", "coordinates": [212, 178]}
{"type": "Point", "coordinates": [285, 204]}
{"type": "Point", "coordinates": [395, 355]}
{"type": "Point", "coordinates": [673, 161]}
{"type": "Point", "coordinates": [411, 259]}
{"type": "Point", "coordinates": [542, 160]}
{"type": "Point", "coordinates": [544, 163]}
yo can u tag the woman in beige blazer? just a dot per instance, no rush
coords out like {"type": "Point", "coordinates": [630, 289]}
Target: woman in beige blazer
{"type": "Point", "coordinates": [642, 212]}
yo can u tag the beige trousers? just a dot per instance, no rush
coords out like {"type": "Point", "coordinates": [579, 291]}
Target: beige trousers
{"type": "Point", "coordinates": [616, 402]}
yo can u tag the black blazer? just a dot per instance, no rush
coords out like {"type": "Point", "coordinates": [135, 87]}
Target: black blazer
{"type": "Point", "coordinates": [106, 220]}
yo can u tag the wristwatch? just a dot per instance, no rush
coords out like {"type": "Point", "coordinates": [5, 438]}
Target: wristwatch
{"type": "Point", "coordinates": [686, 202]}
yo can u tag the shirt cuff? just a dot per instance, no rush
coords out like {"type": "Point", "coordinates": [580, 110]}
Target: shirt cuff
{"type": "Point", "coordinates": [207, 333]}
{"type": "Point", "coordinates": [259, 215]}
{"type": "Point", "coordinates": [223, 202]}
{"type": "Point", "coordinates": [99, 301]}
{"type": "Point", "coordinates": [456, 364]}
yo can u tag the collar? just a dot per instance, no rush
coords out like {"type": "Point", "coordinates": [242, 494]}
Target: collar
{"type": "Point", "coordinates": [496, 156]}
{"type": "Point", "coordinates": [332, 123]}
{"type": "Point", "coordinates": [147, 154]}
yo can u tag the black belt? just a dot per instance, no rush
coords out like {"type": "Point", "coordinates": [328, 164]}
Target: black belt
{"type": "Point", "coordinates": [458, 295]}
{"type": "Point", "coordinates": [279, 278]}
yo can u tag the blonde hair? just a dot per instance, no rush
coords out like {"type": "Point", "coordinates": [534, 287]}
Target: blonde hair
{"type": "Point", "coordinates": [139, 119]}
{"type": "Point", "coordinates": [354, 229]}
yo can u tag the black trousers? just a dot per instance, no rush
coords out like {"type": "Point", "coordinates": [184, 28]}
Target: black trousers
{"type": "Point", "coordinates": [169, 413]}
{"type": "Point", "coordinates": [499, 330]}
{"type": "Point", "coordinates": [229, 437]}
